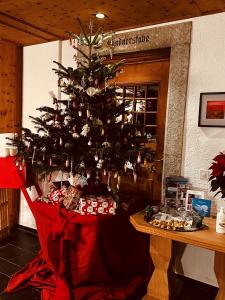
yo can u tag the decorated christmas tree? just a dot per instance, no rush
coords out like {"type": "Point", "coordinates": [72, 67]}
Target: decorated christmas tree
{"type": "Point", "coordinates": [89, 132]}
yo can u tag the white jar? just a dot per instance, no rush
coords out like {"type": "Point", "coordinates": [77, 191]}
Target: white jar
{"type": "Point", "coordinates": [220, 221]}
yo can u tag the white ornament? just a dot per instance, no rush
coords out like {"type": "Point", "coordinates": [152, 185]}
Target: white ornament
{"type": "Point", "coordinates": [129, 165]}
{"type": "Point", "coordinates": [129, 118]}
{"type": "Point", "coordinates": [79, 180]}
{"type": "Point", "coordinates": [139, 159]}
{"type": "Point", "coordinates": [96, 157]}
{"type": "Point", "coordinates": [75, 135]}
{"type": "Point", "coordinates": [89, 143]}
{"type": "Point", "coordinates": [135, 177]}
{"type": "Point", "coordinates": [106, 144]}
{"type": "Point", "coordinates": [91, 91]}
{"type": "Point", "coordinates": [82, 164]}
{"type": "Point", "coordinates": [99, 165]}
{"type": "Point", "coordinates": [79, 87]}
{"type": "Point", "coordinates": [85, 130]}
{"type": "Point", "coordinates": [80, 113]}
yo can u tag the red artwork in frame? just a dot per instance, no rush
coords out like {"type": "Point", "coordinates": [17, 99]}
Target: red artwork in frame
{"type": "Point", "coordinates": [212, 110]}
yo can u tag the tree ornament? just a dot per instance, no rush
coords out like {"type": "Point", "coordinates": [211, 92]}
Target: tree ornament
{"type": "Point", "coordinates": [135, 176]}
{"type": "Point", "coordinates": [88, 113]}
{"type": "Point", "coordinates": [57, 124]}
{"type": "Point", "coordinates": [91, 91]}
{"type": "Point", "coordinates": [129, 118]}
{"type": "Point", "coordinates": [60, 141]}
{"type": "Point", "coordinates": [116, 175]}
{"type": "Point", "coordinates": [108, 121]}
{"type": "Point", "coordinates": [82, 164]}
{"type": "Point", "coordinates": [67, 163]}
{"type": "Point", "coordinates": [118, 183]}
{"type": "Point", "coordinates": [74, 104]}
{"type": "Point", "coordinates": [90, 78]}
{"type": "Point", "coordinates": [43, 150]}
{"type": "Point", "coordinates": [104, 172]}
{"type": "Point", "coordinates": [83, 82]}
{"type": "Point", "coordinates": [106, 144]}
{"type": "Point", "coordinates": [96, 82]}
{"type": "Point", "coordinates": [75, 135]}
{"type": "Point", "coordinates": [96, 157]}
{"type": "Point", "coordinates": [50, 162]}
{"type": "Point", "coordinates": [80, 113]}
{"type": "Point", "coordinates": [45, 117]}
{"type": "Point", "coordinates": [85, 130]}
{"type": "Point", "coordinates": [102, 131]}
{"type": "Point", "coordinates": [129, 165]}
{"type": "Point", "coordinates": [78, 87]}
{"type": "Point", "coordinates": [109, 182]}
{"type": "Point", "coordinates": [89, 143]}
{"type": "Point", "coordinates": [139, 158]}
{"type": "Point", "coordinates": [68, 145]}
{"type": "Point", "coordinates": [99, 165]}
{"type": "Point", "coordinates": [32, 161]}
{"type": "Point", "coordinates": [67, 120]}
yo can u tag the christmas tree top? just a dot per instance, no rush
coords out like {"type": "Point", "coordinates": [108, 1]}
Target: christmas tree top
{"type": "Point", "coordinates": [90, 130]}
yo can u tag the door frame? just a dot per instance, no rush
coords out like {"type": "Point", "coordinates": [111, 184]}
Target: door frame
{"type": "Point", "coordinates": [177, 37]}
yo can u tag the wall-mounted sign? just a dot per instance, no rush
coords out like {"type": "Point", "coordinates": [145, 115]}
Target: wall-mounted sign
{"type": "Point", "coordinates": [137, 39]}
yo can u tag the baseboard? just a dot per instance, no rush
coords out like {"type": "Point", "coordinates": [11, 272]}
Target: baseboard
{"type": "Point", "coordinates": [28, 229]}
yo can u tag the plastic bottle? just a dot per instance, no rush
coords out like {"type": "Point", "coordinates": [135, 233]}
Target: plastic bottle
{"type": "Point", "coordinates": [220, 221]}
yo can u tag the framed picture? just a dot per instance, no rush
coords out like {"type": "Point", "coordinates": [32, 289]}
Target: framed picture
{"type": "Point", "coordinates": [212, 110]}
{"type": "Point", "coordinates": [190, 195]}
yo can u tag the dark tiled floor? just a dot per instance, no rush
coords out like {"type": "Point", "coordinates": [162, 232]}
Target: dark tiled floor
{"type": "Point", "coordinates": [22, 246]}
{"type": "Point", "coordinates": [15, 252]}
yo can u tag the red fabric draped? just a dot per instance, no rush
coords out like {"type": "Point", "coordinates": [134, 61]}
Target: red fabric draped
{"type": "Point", "coordinates": [10, 175]}
{"type": "Point", "coordinates": [85, 257]}
{"type": "Point", "coordinates": [82, 257]}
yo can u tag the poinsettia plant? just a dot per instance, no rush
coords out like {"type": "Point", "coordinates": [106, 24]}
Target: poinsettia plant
{"type": "Point", "coordinates": [217, 176]}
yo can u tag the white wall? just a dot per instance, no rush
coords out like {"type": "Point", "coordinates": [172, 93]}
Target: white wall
{"type": "Point", "coordinates": [206, 74]}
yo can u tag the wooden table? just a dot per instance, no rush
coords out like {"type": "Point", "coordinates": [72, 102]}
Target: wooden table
{"type": "Point", "coordinates": [159, 287]}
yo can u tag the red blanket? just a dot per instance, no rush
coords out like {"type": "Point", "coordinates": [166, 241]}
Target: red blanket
{"type": "Point", "coordinates": [85, 257]}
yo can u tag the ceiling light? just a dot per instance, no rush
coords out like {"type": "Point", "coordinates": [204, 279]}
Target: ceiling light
{"type": "Point", "coordinates": [100, 16]}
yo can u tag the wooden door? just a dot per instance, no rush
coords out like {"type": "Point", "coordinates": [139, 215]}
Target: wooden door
{"type": "Point", "coordinates": [144, 81]}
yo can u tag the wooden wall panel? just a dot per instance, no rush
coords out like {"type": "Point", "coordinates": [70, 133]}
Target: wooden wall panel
{"type": "Point", "coordinates": [10, 121]}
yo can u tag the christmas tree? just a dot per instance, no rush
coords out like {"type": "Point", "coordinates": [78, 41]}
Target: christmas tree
{"type": "Point", "coordinates": [89, 132]}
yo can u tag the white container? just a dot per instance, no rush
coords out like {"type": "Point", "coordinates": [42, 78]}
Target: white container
{"type": "Point", "coordinates": [220, 221]}
{"type": "Point", "coordinates": [4, 148]}
{"type": "Point", "coordinates": [13, 151]}
{"type": "Point", "coordinates": [4, 152]}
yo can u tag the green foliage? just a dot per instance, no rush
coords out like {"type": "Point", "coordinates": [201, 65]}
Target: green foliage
{"type": "Point", "coordinates": [88, 130]}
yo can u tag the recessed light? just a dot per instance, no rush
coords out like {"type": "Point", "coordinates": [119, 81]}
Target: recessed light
{"type": "Point", "coordinates": [100, 16]}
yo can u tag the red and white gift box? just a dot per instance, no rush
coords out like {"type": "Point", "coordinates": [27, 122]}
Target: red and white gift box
{"type": "Point", "coordinates": [95, 205]}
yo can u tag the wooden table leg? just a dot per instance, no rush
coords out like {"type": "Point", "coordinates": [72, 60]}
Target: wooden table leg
{"type": "Point", "coordinates": [160, 251]}
{"type": "Point", "coordinates": [219, 268]}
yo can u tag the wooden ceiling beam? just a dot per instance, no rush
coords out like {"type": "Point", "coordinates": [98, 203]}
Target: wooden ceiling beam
{"type": "Point", "coordinates": [24, 30]}
{"type": "Point", "coordinates": [33, 27]}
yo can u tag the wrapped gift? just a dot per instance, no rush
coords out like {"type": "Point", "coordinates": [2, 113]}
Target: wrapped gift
{"type": "Point", "coordinates": [94, 205]}
{"type": "Point", "coordinates": [57, 195]}
{"type": "Point", "coordinates": [72, 197]}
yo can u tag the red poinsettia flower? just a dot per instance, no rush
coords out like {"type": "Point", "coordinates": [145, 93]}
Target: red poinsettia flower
{"type": "Point", "coordinates": [217, 177]}
{"type": "Point", "coordinates": [217, 169]}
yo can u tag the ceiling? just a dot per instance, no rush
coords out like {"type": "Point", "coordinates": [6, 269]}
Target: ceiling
{"type": "Point", "coordinates": [28, 22]}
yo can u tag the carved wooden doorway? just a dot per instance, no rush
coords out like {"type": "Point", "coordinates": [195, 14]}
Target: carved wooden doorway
{"type": "Point", "coordinates": [144, 83]}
